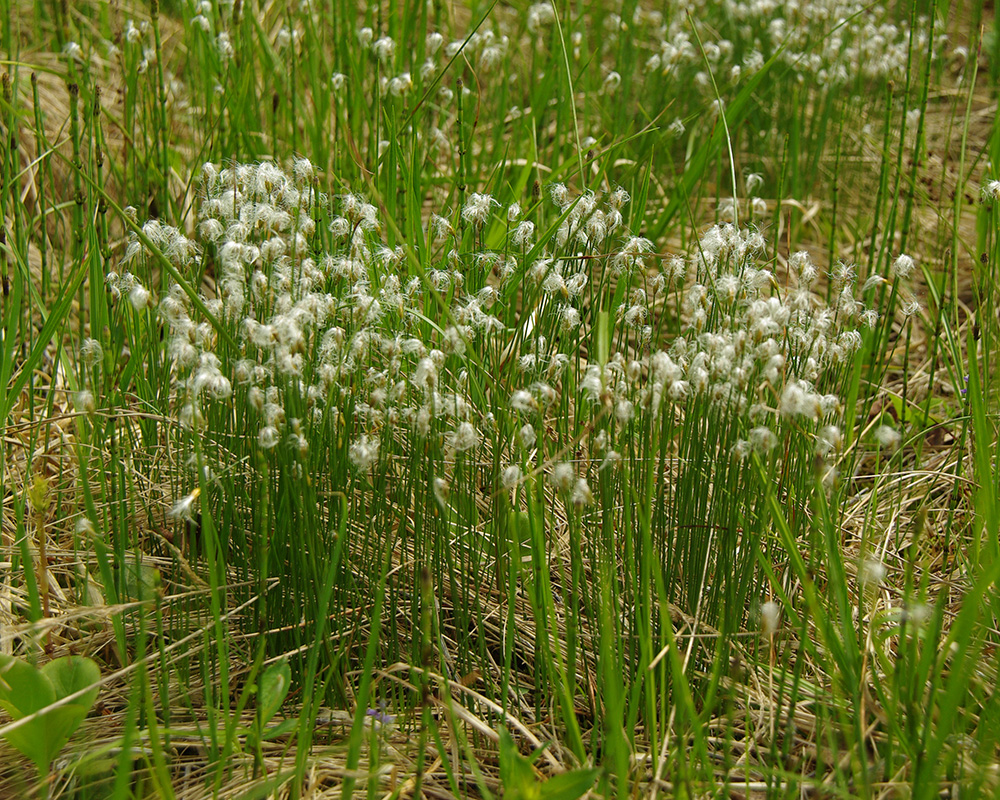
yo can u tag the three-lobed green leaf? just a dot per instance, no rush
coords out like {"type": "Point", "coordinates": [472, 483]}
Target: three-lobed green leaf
{"type": "Point", "coordinates": [26, 690]}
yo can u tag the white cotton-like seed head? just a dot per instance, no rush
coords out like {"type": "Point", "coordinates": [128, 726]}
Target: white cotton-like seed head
{"type": "Point", "coordinates": [190, 416]}
{"type": "Point", "coordinates": [770, 617]}
{"type": "Point", "coordinates": [422, 422]}
{"type": "Point", "coordinates": [635, 316]}
{"type": "Point", "coordinates": [184, 509]}
{"type": "Point", "coordinates": [727, 209]}
{"type": "Point", "coordinates": [763, 439]}
{"type": "Point", "coordinates": [592, 383]}
{"type": "Point", "coordinates": [140, 297]}
{"type": "Point", "coordinates": [698, 377]}
{"type": "Point", "coordinates": [464, 437]}
{"type": "Point", "coordinates": [624, 412]}
{"type": "Point", "coordinates": [576, 284]}
{"type": "Point", "coordinates": [901, 267]}
{"type": "Point", "coordinates": [477, 210]}
{"type": "Point", "coordinates": [434, 42]}
{"type": "Point", "coordinates": [844, 274]}
{"type": "Point", "coordinates": [425, 376]}
{"type": "Point", "coordinates": [219, 387]}
{"type": "Point", "coordinates": [559, 194]}
{"type": "Point", "coordinates": [455, 339]}
{"type": "Point", "coordinates": [872, 282]}
{"type": "Point", "coordinates": [268, 437]}
{"type": "Point", "coordinates": [868, 317]}
{"type": "Point", "coordinates": [441, 228]}
{"type": "Point", "coordinates": [522, 400]}
{"type": "Point", "coordinates": [557, 365]}
{"type": "Point", "coordinates": [527, 436]}
{"type": "Point", "coordinates": [618, 198]}
{"type": "Point", "coordinates": [256, 399]}
{"type": "Point", "coordinates": [562, 476]}
{"type": "Point", "coordinates": [363, 453]}
{"type": "Point", "coordinates": [871, 572]}
{"type": "Point", "coordinates": [846, 303]}
{"type": "Point", "coordinates": [511, 477]}
{"type": "Point", "coordinates": [633, 371]}
{"type": "Point", "coordinates": [582, 496]}
{"type": "Point", "coordinates": [84, 402]}
{"type": "Point", "coordinates": [91, 352]}
{"type": "Point", "coordinates": [887, 437]}
{"type": "Point", "coordinates": [401, 84]}
{"type": "Point", "coordinates": [243, 372]}
{"type": "Point", "coordinates": [340, 227]}
{"type": "Point", "coordinates": [85, 527]}
{"type": "Point", "coordinates": [274, 413]}
{"type": "Point", "coordinates": [523, 234]}
{"type": "Point", "coordinates": [741, 449]}
{"type": "Point", "coordinates": [678, 390]}
{"type": "Point", "coordinates": [830, 439]}
{"type": "Point", "coordinates": [798, 400]}
{"type": "Point", "coordinates": [554, 284]}
{"type": "Point", "coordinates": [441, 490]}
{"type": "Point", "coordinates": [611, 460]}
{"type": "Point", "coordinates": [569, 319]}
{"type": "Point", "coordinates": [991, 191]}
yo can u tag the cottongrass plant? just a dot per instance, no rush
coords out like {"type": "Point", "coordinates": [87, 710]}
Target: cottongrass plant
{"type": "Point", "coordinates": [525, 401]}
{"type": "Point", "coordinates": [633, 433]}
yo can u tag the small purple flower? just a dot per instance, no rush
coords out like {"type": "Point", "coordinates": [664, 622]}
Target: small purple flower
{"type": "Point", "coordinates": [379, 715]}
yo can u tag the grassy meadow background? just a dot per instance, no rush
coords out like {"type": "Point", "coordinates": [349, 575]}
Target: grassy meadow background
{"type": "Point", "coordinates": [420, 399]}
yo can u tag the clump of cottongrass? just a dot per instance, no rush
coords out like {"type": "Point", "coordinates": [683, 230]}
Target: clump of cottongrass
{"type": "Point", "coordinates": [329, 343]}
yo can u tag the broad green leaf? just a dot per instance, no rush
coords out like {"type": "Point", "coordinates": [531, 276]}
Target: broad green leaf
{"type": "Point", "coordinates": [569, 785]}
{"type": "Point", "coordinates": [43, 737]}
{"type": "Point", "coordinates": [274, 685]}
{"type": "Point", "coordinates": [25, 690]}
{"type": "Point", "coordinates": [70, 674]}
